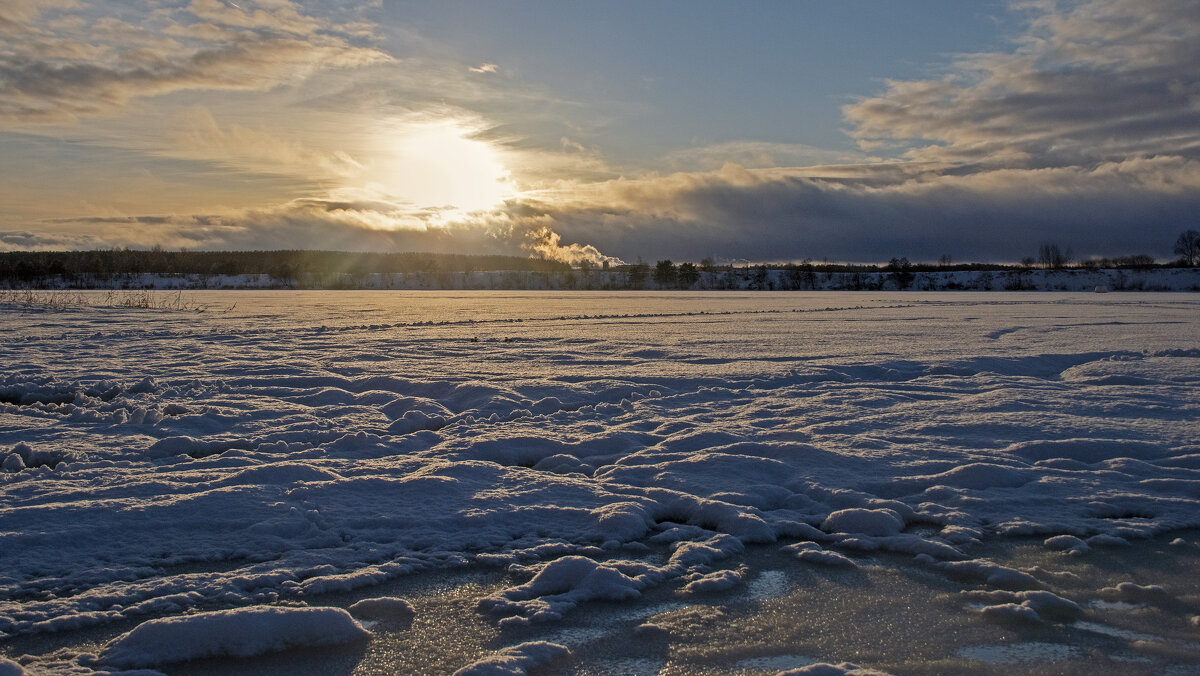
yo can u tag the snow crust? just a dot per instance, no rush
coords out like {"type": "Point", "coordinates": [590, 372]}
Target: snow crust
{"type": "Point", "coordinates": [156, 463]}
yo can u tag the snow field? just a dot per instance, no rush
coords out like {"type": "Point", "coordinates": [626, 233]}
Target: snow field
{"type": "Point", "coordinates": [156, 464]}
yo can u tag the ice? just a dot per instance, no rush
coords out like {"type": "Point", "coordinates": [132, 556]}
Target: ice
{"type": "Point", "coordinates": [1019, 653]}
{"type": "Point", "coordinates": [307, 445]}
{"type": "Point", "coordinates": [241, 632]}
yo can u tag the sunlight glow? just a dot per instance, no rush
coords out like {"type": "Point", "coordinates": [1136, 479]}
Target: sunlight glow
{"type": "Point", "coordinates": [438, 165]}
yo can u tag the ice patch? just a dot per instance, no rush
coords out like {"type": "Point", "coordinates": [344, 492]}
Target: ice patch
{"type": "Point", "coordinates": [1017, 653]}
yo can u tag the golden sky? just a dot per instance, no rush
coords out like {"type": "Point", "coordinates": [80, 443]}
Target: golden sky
{"type": "Point", "coordinates": [679, 130]}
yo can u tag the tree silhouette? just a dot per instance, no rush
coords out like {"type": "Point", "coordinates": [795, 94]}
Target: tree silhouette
{"type": "Point", "coordinates": [1188, 247]}
{"type": "Point", "coordinates": [688, 274]}
{"type": "Point", "coordinates": [664, 274]}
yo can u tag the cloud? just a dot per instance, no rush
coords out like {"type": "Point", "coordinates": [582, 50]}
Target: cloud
{"type": "Point", "coordinates": [756, 155]}
{"type": "Point", "coordinates": [243, 148]}
{"type": "Point", "coordinates": [1088, 82]}
{"type": "Point", "coordinates": [789, 214]}
{"type": "Point", "coordinates": [1086, 132]}
{"type": "Point", "coordinates": [17, 15]}
{"type": "Point", "coordinates": [302, 223]}
{"type": "Point", "coordinates": [277, 16]}
{"type": "Point", "coordinates": [97, 64]}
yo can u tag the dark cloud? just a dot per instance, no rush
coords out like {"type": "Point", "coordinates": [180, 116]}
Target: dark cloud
{"type": "Point", "coordinates": [1134, 207]}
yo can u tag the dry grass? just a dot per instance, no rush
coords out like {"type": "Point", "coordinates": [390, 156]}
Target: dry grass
{"type": "Point", "coordinates": [59, 301]}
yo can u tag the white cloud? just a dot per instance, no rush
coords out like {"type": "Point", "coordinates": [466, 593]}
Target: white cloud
{"type": "Point", "coordinates": [1089, 81]}
{"type": "Point", "coordinates": [99, 63]}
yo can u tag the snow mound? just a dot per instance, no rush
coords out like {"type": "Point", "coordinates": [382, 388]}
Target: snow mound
{"type": "Point", "coordinates": [985, 571]}
{"type": "Point", "coordinates": [1026, 606]}
{"type": "Point", "coordinates": [515, 660]}
{"type": "Point", "coordinates": [559, 586]}
{"type": "Point", "coordinates": [875, 522]}
{"type": "Point", "coordinates": [1087, 450]}
{"type": "Point", "coordinates": [720, 580]}
{"type": "Point", "coordinates": [241, 632]}
{"type": "Point", "coordinates": [1135, 593]}
{"type": "Point", "coordinates": [811, 552]}
{"type": "Point", "coordinates": [1066, 543]}
{"type": "Point", "coordinates": [825, 669]}
{"type": "Point", "coordinates": [382, 609]}
{"type": "Point", "coordinates": [10, 668]}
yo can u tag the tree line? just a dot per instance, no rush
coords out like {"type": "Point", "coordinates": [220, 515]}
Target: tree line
{"type": "Point", "coordinates": [333, 268]}
{"type": "Point", "coordinates": [31, 266]}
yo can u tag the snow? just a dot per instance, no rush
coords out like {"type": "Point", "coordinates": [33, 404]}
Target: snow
{"type": "Point", "coordinates": [516, 660]}
{"type": "Point", "coordinates": [865, 521]}
{"type": "Point", "coordinates": [587, 447]}
{"type": "Point", "coordinates": [382, 609]}
{"type": "Point", "coordinates": [812, 552]}
{"type": "Point", "coordinates": [825, 669]}
{"type": "Point", "coordinates": [241, 632]}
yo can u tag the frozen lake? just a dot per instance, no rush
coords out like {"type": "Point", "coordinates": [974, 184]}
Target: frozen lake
{"type": "Point", "coordinates": [627, 483]}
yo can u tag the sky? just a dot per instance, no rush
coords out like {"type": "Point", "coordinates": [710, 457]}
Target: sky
{"type": "Point", "coordinates": [852, 131]}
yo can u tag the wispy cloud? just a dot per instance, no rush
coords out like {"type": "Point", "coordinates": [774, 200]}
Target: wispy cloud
{"type": "Point", "coordinates": [484, 68]}
{"type": "Point", "coordinates": [199, 136]}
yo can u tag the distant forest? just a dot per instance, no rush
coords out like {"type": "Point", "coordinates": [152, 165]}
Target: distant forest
{"type": "Point", "coordinates": [32, 266]}
{"type": "Point", "coordinates": [145, 268]}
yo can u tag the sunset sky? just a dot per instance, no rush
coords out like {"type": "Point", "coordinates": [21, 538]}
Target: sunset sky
{"type": "Point", "coordinates": [847, 131]}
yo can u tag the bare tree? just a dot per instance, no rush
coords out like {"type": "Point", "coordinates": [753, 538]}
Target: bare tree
{"type": "Point", "coordinates": [901, 272]}
{"type": "Point", "coordinates": [1053, 257]}
{"type": "Point", "coordinates": [1188, 247]}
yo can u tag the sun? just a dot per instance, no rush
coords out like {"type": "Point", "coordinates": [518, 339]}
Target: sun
{"type": "Point", "coordinates": [441, 165]}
